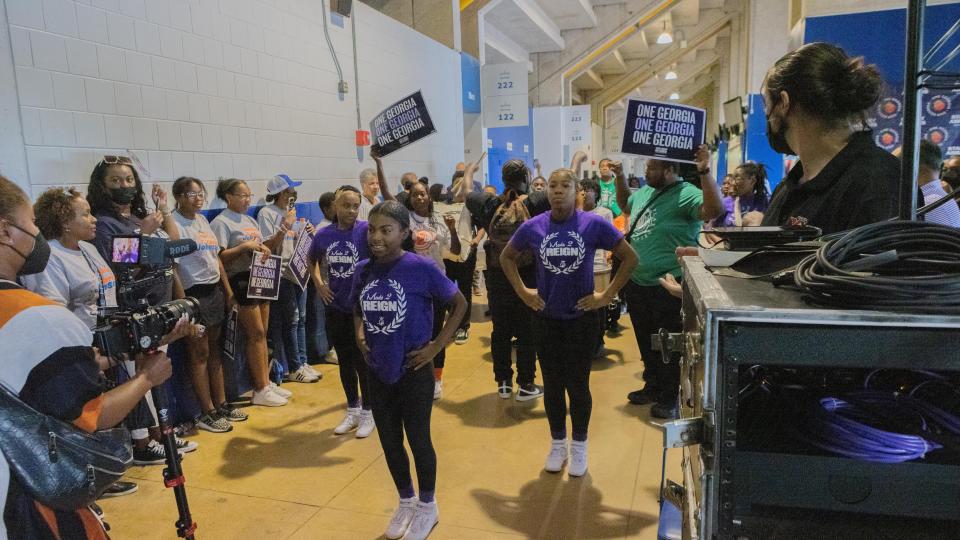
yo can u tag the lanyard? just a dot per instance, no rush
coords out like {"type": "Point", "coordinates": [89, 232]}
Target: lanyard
{"type": "Point", "coordinates": [647, 207]}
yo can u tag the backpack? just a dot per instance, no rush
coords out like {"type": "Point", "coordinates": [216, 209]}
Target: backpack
{"type": "Point", "coordinates": [506, 220]}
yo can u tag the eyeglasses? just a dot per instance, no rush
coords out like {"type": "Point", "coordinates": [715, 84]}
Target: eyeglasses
{"type": "Point", "coordinates": [116, 160]}
{"type": "Point", "coordinates": [244, 196]}
{"type": "Point", "coordinates": [197, 195]}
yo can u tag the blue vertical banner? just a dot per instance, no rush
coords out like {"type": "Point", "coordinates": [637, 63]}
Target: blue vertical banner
{"type": "Point", "coordinates": [470, 73]}
{"type": "Point", "coordinates": [755, 145]}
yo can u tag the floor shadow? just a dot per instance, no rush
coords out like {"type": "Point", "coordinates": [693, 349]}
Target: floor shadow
{"type": "Point", "coordinates": [641, 412]}
{"type": "Point", "coordinates": [490, 411]}
{"type": "Point", "coordinates": [282, 449]}
{"type": "Point", "coordinates": [611, 358]}
{"type": "Point", "coordinates": [556, 506]}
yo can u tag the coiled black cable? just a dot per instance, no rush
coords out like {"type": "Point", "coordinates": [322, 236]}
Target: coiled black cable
{"type": "Point", "coordinates": [888, 266]}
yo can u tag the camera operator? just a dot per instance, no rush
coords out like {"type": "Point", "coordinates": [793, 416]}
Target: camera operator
{"type": "Point", "coordinates": [50, 364]}
{"type": "Point", "coordinates": [116, 198]}
{"type": "Point", "coordinates": [203, 277]}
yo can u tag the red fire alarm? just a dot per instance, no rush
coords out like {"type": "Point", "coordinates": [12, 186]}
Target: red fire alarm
{"type": "Point", "coordinates": [363, 138]}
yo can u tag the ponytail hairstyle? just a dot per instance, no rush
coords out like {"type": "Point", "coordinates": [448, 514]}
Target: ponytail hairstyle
{"type": "Point", "coordinates": [227, 186]}
{"type": "Point", "coordinates": [182, 185]}
{"type": "Point", "coordinates": [516, 180]}
{"type": "Point", "coordinates": [53, 209]}
{"type": "Point", "coordinates": [398, 213]}
{"type": "Point", "coordinates": [825, 83]}
{"type": "Point", "coordinates": [346, 188]}
{"type": "Point", "coordinates": [758, 171]}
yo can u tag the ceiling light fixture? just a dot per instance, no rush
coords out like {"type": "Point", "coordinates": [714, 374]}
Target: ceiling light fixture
{"type": "Point", "coordinates": [674, 96]}
{"type": "Point", "coordinates": [671, 74]}
{"type": "Point", "coordinates": [664, 38]}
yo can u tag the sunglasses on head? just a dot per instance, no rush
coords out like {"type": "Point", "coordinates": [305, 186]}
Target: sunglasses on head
{"type": "Point", "coordinates": [116, 160]}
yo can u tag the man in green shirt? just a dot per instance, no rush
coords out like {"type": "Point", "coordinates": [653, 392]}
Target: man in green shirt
{"type": "Point", "coordinates": [608, 188]}
{"type": "Point", "coordinates": [665, 214]}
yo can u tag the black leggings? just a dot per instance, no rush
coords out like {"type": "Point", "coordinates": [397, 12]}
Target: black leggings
{"type": "Point", "coordinates": [566, 349]}
{"type": "Point", "coordinates": [353, 368]}
{"type": "Point", "coordinates": [439, 316]}
{"type": "Point", "coordinates": [511, 318]}
{"type": "Point", "coordinates": [462, 274]}
{"type": "Point", "coordinates": [405, 407]}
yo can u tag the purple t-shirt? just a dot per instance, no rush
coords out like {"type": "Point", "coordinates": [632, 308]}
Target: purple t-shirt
{"type": "Point", "coordinates": [396, 302]}
{"type": "Point", "coordinates": [342, 249]}
{"type": "Point", "coordinates": [563, 253]}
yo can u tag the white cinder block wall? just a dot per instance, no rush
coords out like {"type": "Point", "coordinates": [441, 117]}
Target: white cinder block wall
{"type": "Point", "coordinates": [209, 88]}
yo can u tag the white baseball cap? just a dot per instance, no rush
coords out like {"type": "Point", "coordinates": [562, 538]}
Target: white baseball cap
{"type": "Point", "coordinates": [279, 183]}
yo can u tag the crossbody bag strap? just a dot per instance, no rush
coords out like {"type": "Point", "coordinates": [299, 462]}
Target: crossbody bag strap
{"type": "Point", "coordinates": [646, 207]}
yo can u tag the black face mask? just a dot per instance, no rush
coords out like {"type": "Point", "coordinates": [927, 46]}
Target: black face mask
{"type": "Point", "coordinates": [123, 195]}
{"type": "Point", "coordinates": [36, 261]}
{"type": "Point", "coordinates": [778, 140]}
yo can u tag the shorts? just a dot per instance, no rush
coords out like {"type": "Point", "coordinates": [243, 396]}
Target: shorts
{"type": "Point", "coordinates": [213, 304]}
{"type": "Point", "coordinates": [239, 283]}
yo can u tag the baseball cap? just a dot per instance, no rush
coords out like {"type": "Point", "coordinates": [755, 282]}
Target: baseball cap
{"type": "Point", "coordinates": [279, 183]}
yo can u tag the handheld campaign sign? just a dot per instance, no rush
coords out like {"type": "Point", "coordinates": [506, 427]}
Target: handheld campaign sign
{"type": "Point", "coordinates": [663, 130]}
{"type": "Point", "coordinates": [230, 335]}
{"type": "Point", "coordinates": [301, 255]}
{"type": "Point", "coordinates": [264, 278]}
{"type": "Point", "coordinates": [401, 124]}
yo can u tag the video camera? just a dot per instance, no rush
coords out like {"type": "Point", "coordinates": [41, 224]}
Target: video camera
{"type": "Point", "coordinates": [141, 263]}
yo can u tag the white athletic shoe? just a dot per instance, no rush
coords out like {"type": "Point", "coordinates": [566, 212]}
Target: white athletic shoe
{"type": "Point", "coordinates": [578, 458]}
{"type": "Point", "coordinates": [423, 522]}
{"type": "Point", "coordinates": [268, 398]}
{"type": "Point", "coordinates": [350, 422]}
{"type": "Point", "coordinates": [401, 519]}
{"type": "Point", "coordinates": [557, 456]}
{"type": "Point", "coordinates": [366, 425]}
{"type": "Point", "coordinates": [313, 372]}
{"type": "Point", "coordinates": [437, 390]}
{"type": "Point", "coordinates": [302, 375]}
{"type": "Point", "coordinates": [282, 392]}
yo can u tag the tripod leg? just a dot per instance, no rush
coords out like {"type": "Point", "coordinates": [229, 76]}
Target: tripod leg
{"type": "Point", "coordinates": [173, 473]}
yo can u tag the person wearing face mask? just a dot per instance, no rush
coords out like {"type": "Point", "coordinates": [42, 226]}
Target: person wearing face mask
{"type": "Point", "coordinates": [288, 313]}
{"type": "Point", "coordinates": [815, 99]}
{"type": "Point", "coordinates": [51, 366]}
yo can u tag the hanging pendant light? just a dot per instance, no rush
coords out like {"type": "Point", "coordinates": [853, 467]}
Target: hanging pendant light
{"type": "Point", "coordinates": [671, 73]}
{"type": "Point", "coordinates": [664, 38]}
{"type": "Point", "coordinates": [674, 96]}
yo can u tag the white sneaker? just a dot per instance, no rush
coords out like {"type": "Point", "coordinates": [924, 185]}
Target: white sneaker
{"type": "Point", "coordinates": [366, 425]}
{"type": "Point", "coordinates": [437, 390]}
{"type": "Point", "coordinates": [557, 456]}
{"type": "Point", "coordinates": [302, 375]}
{"type": "Point", "coordinates": [282, 392]}
{"type": "Point", "coordinates": [350, 421]}
{"type": "Point", "coordinates": [313, 372]}
{"type": "Point", "coordinates": [402, 518]}
{"type": "Point", "coordinates": [268, 398]}
{"type": "Point", "coordinates": [578, 458]}
{"type": "Point", "coordinates": [423, 522]}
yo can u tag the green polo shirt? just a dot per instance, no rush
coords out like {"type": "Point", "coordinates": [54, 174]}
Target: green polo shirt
{"type": "Point", "coordinates": [672, 221]}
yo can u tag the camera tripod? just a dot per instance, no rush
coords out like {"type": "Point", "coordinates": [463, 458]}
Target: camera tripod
{"type": "Point", "coordinates": [172, 472]}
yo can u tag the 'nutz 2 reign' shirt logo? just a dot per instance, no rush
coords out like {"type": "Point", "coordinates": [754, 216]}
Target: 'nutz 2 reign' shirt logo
{"type": "Point", "coordinates": [341, 260]}
{"type": "Point", "coordinates": [562, 256]}
{"type": "Point", "coordinates": [384, 308]}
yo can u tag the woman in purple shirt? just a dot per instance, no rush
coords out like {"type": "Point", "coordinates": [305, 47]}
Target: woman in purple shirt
{"type": "Point", "coordinates": [566, 331]}
{"type": "Point", "coordinates": [749, 197]}
{"type": "Point", "coordinates": [394, 293]}
{"type": "Point", "coordinates": [343, 244]}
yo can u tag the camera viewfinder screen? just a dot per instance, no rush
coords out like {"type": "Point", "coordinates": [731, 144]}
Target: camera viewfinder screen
{"type": "Point", "coordinates": [126, 250]}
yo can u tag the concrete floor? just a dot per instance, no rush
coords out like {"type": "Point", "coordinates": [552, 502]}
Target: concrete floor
{"type": "Point", "coordinates": [283, 474]}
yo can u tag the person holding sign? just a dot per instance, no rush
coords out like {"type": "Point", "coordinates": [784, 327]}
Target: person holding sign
{"type": "Point", "coordinates": [278, 223]}
{"type": "Point", "coordinates": [566, 326]}
{"type": "Point", "coordinates": [342, 245]}
{"type": "Point", "coordinates": [204, 278]}
{"type": "Point", "coordinates": [240, 238]}
{"type": "Point", "coordinates": [814, 99]}
{"type": "Point", "coordinates": [665, 214]}
{"type": "Point", "coordinates": [394, 293]}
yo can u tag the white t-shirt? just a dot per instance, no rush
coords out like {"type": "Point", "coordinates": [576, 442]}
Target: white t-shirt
{"type": "Point", "coordinates": [600, 263]}
{"type": "Point", "coordinates": [431, 238]}
{"type": "Point", "coordinates": [464, 228]}
{"type": "Point", "coordinates": [233, 229]}
{"type": "Point", "coordinates": [77, 278]}
{"type": "Point", "coordinates": [202, 267]}
{"type": "Point", "coordinates": [269, 219]}
{"type": "Point", "coordinates": [366, 206]}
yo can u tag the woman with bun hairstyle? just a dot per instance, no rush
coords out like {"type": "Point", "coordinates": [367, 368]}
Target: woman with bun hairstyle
{"type": "Point", "coordinates": [240, 239]}
{"type": "Point", "coordinates": [815, 99]}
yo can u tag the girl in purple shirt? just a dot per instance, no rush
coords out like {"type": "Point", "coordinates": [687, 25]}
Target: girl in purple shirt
{"type": "Point", "coordinates": [566, 330]}
{"type": "Point", "coordinates": [393, 295]}
{"type": "Point", "coordinates": [342, 245]}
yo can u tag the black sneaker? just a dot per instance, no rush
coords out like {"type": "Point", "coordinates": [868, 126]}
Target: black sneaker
{"type": "Point", "coordinates": [118, 489]}
{"type": "Point", "coordinates": [529, 391]}
{"type": "Point", "coordinates": [461, 336]}
{"type": "Point", "coordinates": [153, 454]}
{"type": "Point", "coordinates": [231, 414]}
{"type": "Point", "coordinates": [213, 422]}
{"type": "Point", "coordinates": [664, 411]}
{"type": "Point", "coordinates": [645, 396]}
{"type": "Point", "coordinates": [184, 446]}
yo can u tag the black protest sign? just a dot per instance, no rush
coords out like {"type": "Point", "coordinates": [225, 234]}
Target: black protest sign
{"type": "Point", "coordinates": [663, 130]}
{"type": "Point", "coordinates": [299, 262]}
{"type": "Point", "coordinates": [230, 335]}
{"type": "Point", "coordinates": [401, 124]}
{"type": "Point", "coordinates": [264, 278]}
